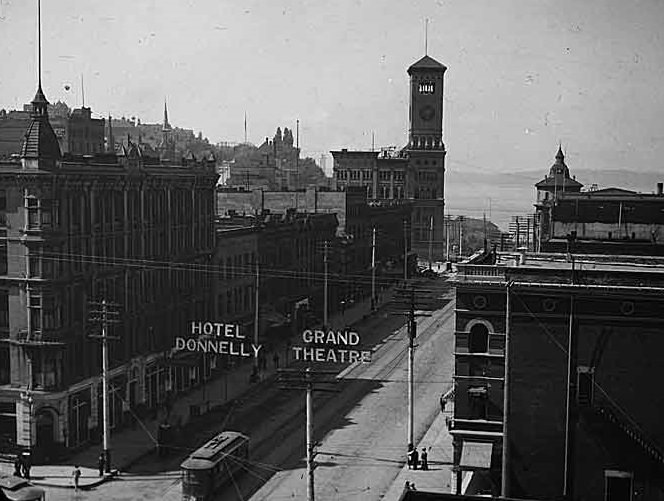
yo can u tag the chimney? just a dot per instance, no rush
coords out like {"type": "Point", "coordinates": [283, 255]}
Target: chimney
{"type": "Point", "coordinates": [660, 187]}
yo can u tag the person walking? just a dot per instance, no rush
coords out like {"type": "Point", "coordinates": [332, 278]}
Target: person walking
{"type": "Point", "coordinates": [27, 464]}
{"type": "Point", "coordinates": [76, 475]}
{"type": "Point", "coordinates": [409, 455]}
{"type": "Point", "coordinates": [416, 459]}
{"type": "Point", "coordinates": [425, 459]}
{"type": "Point", "coordinates": [101, 462]}
{"type": "Point", "coordinates": [18, 466]}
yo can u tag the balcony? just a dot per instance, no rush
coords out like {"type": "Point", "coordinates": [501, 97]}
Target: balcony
{"type": "Point", "coordinates": [36, 339]}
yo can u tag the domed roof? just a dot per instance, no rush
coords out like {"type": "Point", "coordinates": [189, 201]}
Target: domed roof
{"type": "Point", "coordinates": [559, 168]}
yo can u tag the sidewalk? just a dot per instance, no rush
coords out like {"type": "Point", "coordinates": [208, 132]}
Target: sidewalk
{"type": "Point", "coordinates": [130, 445]}
{"type": "Point", "coordinates": [438, 478]}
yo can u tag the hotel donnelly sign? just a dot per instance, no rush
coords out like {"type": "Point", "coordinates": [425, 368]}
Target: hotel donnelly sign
{"type": "Point", "coordinates": [330, 346]}
{"type": "Point", "coordinates": [214, 337]}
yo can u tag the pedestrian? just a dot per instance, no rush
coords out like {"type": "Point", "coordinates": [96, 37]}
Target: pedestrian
{"type": "Point", "coordinates": [425, 459]}
{"type": "Point", "coordinates": [275, 359]}
{"type": "Point", "coordinates": [407, 486]}
{"type": "Point", "coordinates": [415, 459]}
{"type": "Point", "coordinates": [409, 455]}
{"type": "Point", "coordinates": [18, 466]}
{"type": "Point", "coordinates": [76, 474]}
{"type": "Point", "coordinates": [27, 464]}
{"type": "Point", "coordinates": [101, 463]}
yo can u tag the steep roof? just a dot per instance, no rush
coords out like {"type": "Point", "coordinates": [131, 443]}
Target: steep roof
{"type": "Point", "coordinates": [39, 140]}
{"type": "Point", "coordinates": [426, 63]}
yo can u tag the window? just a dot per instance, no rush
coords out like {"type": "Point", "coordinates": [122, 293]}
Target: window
{"type": "Point", "coordinates": [585, 378]}
{"type": "Point", "coordinates": [478, 341]}
{"type": "Point", "coordinates": [618, 485]}
{"type": "Point", "coordinates": [426, 88]}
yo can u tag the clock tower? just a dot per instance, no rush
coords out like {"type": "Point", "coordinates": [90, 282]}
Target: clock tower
{"type": "Point", "coordinates": [426, 158]}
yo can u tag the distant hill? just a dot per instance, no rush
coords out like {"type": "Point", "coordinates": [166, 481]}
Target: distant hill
{"type": "Point", "coordinates": [503, 195]}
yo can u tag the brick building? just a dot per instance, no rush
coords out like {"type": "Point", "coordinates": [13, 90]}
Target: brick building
{"type": "Point", "coordinates": [77, 132]}
{"type": "Point", "coordinates": [600, 221]}
{"type": "Point", "coordinates": [76, 229]}
{"type": "Point", "coordinates": [356, 218]}
{"type": "Point", "coordinates": [288, 247]}
{"type": "Point", "coordinates": [416, 173]}
{"type": "Point", "coordinates": [582, 342]}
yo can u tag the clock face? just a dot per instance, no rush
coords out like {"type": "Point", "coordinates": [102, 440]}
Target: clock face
{"type": "Point", "coordinates": [427, 113]}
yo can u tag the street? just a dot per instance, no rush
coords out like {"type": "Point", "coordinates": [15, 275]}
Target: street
{"type": "Point", "coordinates": [361, 428]}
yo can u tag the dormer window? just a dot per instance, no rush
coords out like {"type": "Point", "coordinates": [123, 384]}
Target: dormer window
{"type": "Point", "coordinates": [426, 88]}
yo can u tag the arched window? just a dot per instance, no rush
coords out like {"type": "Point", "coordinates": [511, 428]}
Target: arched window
{"type": "Point", "coordinates": [478, 341]}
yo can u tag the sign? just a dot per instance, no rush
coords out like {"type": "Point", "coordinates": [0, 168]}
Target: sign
{"type": "Point", "coordinates": [219, 338]}
{"type": "Point", "coordinates": [331, 346]}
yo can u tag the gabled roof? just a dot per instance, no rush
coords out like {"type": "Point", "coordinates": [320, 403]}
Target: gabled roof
{"type": "Point", "coordinates": [426, 63]}
{"type": "Point", "coordinates": [39, 140]}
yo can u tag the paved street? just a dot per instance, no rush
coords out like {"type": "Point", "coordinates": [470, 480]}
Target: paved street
{"type": "Point", "coordinates": [361, 428]}
{"type": "Point", "coordinates": [362, 458]}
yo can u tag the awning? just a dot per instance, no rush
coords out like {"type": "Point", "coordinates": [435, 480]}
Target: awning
{"type": "Point", "coordinates": [476, 454]}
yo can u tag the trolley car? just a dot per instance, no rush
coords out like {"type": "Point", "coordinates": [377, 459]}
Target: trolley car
{"type": "Point", "coordinates": [19, 489]}
{"type": "Point", "coordinates": [213, 465]}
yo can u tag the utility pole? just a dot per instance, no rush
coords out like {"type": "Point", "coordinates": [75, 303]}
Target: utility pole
{"type": "Point", "coordinates": [373, 269]}
{"type": "Point", "coordinates": [297, 159]}
{"type": "Point", "coordinates": [325, 298]}
{"type": "Point", "coordinates": [412, 332]}
{"type": "Point", "coordinates": [461, 237]}
{"type": "Point", "coordinates": [571, 412]}
{"type": "Point", "coordinates": [256, 311]}
{"type": "Point", "coordinates": [308, 380]}
{"type": "Point", "coordinates": [505, 473]}
{"type": "Point", "coordinates": [430, 242]}
{"type": "Point", "coordinates": [447, 238]}
{"type": "Point", "coordinates": [405, 251]}
{"type": "Point", "coordinates": [310, 437]}
{"type": "Point", "coordinates": [105, 316]}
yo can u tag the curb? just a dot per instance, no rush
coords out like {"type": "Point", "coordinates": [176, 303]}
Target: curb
{"type": "Point", "coordinates": [46, 483]}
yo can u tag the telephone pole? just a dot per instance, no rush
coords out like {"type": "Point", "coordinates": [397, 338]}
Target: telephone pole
{"type": "Point", "coordinates": [373, 269]}
{"type": "Point", "coordinates": [405, 251]}
{"type": "Point", "coordinates": [430, 242]}
{"type": "Point", "coordinates": [107, 314]}
{"type": "Point", "coordinates": [325, 298]}
{"type": "Point", "coordinates": [412, 332]}
{"type": "Point", "coordinates": [256, 312]}
{"type": "Point", "coordinates": [308, 380]}
{"type": "Point", "coordinates": [447, 238]}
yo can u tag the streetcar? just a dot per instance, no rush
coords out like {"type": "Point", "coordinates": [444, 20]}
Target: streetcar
{"type": "Point", "coordinates": [213, 465]}
{"type": "Point", "coordinates": [19, 489]}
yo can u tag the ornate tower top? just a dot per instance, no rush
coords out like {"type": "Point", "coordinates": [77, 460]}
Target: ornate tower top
{"type": "Point", "coordinates": [39, 141]}
{"type": "Point", "coordinates": [166, 126]}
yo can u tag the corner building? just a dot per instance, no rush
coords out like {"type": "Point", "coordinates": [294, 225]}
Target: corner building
{"type": "Point", "coordinates": [75, 230]}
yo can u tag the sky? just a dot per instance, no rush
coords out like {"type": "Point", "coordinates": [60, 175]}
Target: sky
{"type": "Point", "coordinates": [523, 76]}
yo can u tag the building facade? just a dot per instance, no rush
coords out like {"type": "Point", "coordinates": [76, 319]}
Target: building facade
{"type": "Point", "coordinates": [78, 230]}
{"type": "Point", "coordinates": [564, 347]}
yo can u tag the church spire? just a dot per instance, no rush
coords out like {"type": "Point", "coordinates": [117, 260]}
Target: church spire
{"type": "Point", "coordinates": [166, 125]}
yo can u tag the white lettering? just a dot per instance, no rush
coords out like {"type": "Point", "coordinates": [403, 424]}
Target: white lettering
{"type": "Point", "coordinates": [308, 353]}
{"type": "Point", "coordinates": [256, 349]}
{"type": "Point", "coordinates": [219, 327]}
{"type": "Point", "coordinates": [213, 346]}
{"type": "Point", "coordinates": [237, 332]}
{"type": "Point", "coordinates": [223, 347]}
{"type": "Point", "coordinates": [366, 357]}
{"type": "Point", "coordinates": [353, 356]}
{"type": "Point", "coordinates": [342, 338]}
{"type": "Point", "coordinates": [196, 328]}
{"type": "Point", "coordinates": [191, 344]}
{"type": "Point", "coordinates": [307, 336]}
{"type": "Point", "coordinates": [297, 350]}
{"type": "Point", "coordinates": [353, 338]}
{"type": "Point", "coordinates": [331, 356]}
{"type": "Point", "coordinates": [202, 346]}
{"type": "Point", "coordinates": [208, 328]}
{"type": "Point", "coordinates": [319, 336]}
{"type": "Point", "coordinates": [179, 343]}
{"type": "Point", "coordinates": [228, 331]}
